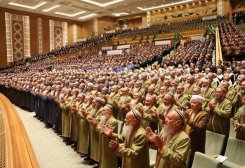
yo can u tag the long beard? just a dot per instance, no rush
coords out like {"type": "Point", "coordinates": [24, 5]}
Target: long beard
{"type": "Point", "coordinates": [127, 130]}
{"type": "Point", "coordinates": [167, 133]}
{"type": "Point", "coordinates": [103, 120]}
{"type": "Point", "coordinates": [93, 111]}
{"type": "Point", "coordinates": [166, 107]}
{"type": "Point", "coordinates": [203, 89]}
{"type": "Point", "coordinates": [134, 101]}
{"type": "Point", "coordinates": [176, 96]}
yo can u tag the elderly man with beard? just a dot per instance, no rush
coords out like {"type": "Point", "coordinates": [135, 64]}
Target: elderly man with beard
{"type": "Point", "coordinates": [93, 119]}
{"type": "Point", "coordinates": [149, 113]}
{"type": "Point", "coordinates": [121, 104]}
{"type": "Point", "coordinates": [113, 96]}
{"type": "Point", "coordinates": [190, 84]}
{"type": "Point", "coordinates": [172, 144]}
{"type": "Point", "coordinates": [207, 91]}
{"type": "Point", "coordinates": [107, 121]}
{"type": "Point", "coordinates": [219, 109]}
{"type": "Point", "coordinates": [166, 106]}
{"type": "Point", "coordinates": [83, 127]}
{"type": "Point", "coordinates": [135, 103]}
{"type": "Point", "coordinates": [134, 150]}
{"type": "Point", "coordinates": [197, 120]}
{"type": "Point", "coordinates": [75, 117]}
{"type": "Point", "coordinates": [239, 121]}
{"type": "Point", "coordinates": [181, 99]}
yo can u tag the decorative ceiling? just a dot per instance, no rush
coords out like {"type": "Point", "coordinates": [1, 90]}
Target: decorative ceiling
{"type": "Point", "coordinates": [82, 10]}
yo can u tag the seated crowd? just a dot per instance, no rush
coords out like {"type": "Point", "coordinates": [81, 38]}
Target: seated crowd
{"type": "Point", "coordinates": [171, 27]}
{"type": "Point", "coordinates": [197, 52]}
{"type": "Point", "coordinates": [232, 42]}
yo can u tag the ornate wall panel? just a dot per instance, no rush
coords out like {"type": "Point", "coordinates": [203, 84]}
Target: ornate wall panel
{"type": "Point", "coordinates": [51, 34]}
{"type": "Point", "coordinates": [17, 37]}
{"type": "Point", "coordinates": [9, 44]}
{"type": "Point", "coordinates": [58, 34]}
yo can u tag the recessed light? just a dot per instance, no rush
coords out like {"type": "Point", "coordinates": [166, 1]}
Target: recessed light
{"type": "Point", "coordinates": [51, 8]}
{"type": "Point", "coordinates": [27, 6]}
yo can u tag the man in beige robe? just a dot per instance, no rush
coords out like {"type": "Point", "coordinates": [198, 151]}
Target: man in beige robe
{"type": "Point", "coordinates": [83, 127]}
{"type": "Point", "coordinates": [219, 109]}
{"type": "Point", "coordinates": [134, 150]}
{"type": "Point", "coordinates": [172, 144]}
{"type": "Point", "coordinates": [108, 158]}
{"type": "Point", "coordinates": [93, 118]}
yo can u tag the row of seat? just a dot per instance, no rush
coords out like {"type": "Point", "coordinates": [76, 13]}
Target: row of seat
{"type": "Point", "coordinates": [204, 161]}
{"type": "Point", "coordinates": [215, 145]}
{"type": "Point", "coordinates": [234, 150]}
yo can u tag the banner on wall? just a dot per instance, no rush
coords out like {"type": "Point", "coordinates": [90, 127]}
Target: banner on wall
{"type": "Point", "coordinates": [123, 46]}
{"type": "Point", "coordinates": [107, 48]}
{"type": "Point", "coordinates": [110, 31]}
{"type": "Point", "coordinates": [165, 42]}
{"type": "Point", "coordinates": [209, 17]}
{"type": "Point", "coordinates": [114, 52]}
{"type": "Point", "coordinates": [84, 39]}
{"type": "Point", "coordinates": [197, 38]}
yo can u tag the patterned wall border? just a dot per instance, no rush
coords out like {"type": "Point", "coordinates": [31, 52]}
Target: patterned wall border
{"type": "Point", "coordinates": [27, 47]}
{"type": "Point", "coordinates": [39, 35]}
{"type": "Point", "coordinates": [51, 34]}
{"type": "Point", "coordinates": [9, 43]}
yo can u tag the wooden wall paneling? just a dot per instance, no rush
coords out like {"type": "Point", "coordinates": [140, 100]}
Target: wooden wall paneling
{"type": "Point", "coordinates": [33, 36]}
{"type": "Point", "coordinates": [3, 50]}
{"type": "Point", "coordinates": [46, 36]}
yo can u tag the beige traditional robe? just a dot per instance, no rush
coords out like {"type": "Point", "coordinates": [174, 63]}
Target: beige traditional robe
{"type": "Point", "coordinates": [219, 120]}
{"type": "Point", "coordinates": [123, 111]}
{"type": "Point", "coordinates": [134, 151]}
{"type": "Point", "coordinates": [208, 95]}
{"type": "Point", "coordinates": [148, 119]}
{"type": "Point", "coordinates": [83, 133]}
{"type": "Point", "coordinates": [108, 158]}
{"type": "Point", "coordinates": [66, 117]}
{"type": "Point", "coordinates": [74, 123]}
{"type": "Point", "coordinates": [175, 153]}
{"type": "Point", "coordinates": [182, 101]}
{"type": "Point", "coordinates": [240, 118]}
{"type": "Point", "coordinates": [94, 136]}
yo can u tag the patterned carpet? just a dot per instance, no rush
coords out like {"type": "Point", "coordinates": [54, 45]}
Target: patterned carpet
{"type": "Point", "coordinates": [49, 148]}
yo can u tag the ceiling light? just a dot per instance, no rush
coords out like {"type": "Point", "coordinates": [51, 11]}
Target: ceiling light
{"type": "Point", "coordinates": [166, 5]}
{"type": "Point", "coordinates": [27, 6]}
{"type": "Point", "coordinates": [87, 16]}
{"type": "Point", "coordinates": [120, 14]}
{"type": "Point", "coordinates": [70, 15]}
{"type": "Point", "coordinates": [101, 4]}
{"type": "Point", "coordinates": [51, 8]}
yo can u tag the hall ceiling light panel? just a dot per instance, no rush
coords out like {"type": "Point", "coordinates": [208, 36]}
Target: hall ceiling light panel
{"type": "Point", "coordinates": [27, 6]}
{"type": "Point", "coordinates": [120, 14]}
{"type": "Point", "coordinates": [102, 4]}
{"type": "Point", "coordinates": [70, 15]}
{"type": "Point", "coordinates": [51, 8]}
{"type": "Point", "coordinates": [166, 5]}
{"type": "Point", "coordinates": [87, 16]}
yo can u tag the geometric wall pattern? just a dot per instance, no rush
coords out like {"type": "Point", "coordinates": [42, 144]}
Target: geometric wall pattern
{"type": "Point", "coordinates": [58, 34]}
{"type": "Point", "coordinates": [17, 37]}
